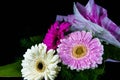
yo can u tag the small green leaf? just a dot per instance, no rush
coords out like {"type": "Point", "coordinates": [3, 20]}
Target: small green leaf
{"type": "Point", "coordinates": [112, 52]}
{"type": "Point", "coordinates": [65, 73]}
{"type": "Point", "coordinates": [28, 42]}
{"type": "Point", "coordinates": [11, 70]}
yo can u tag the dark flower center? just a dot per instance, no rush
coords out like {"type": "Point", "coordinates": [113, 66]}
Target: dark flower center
{"type": "Point", "coordinates": [79, 51]}
{"type": "Point", "coordinates": [40, 66]}
{"type": "Point", "coordinates": [55, 41]}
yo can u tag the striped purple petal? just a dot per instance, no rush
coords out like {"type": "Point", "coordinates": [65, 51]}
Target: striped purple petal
{"type": "Point", "coordinates": [93, 17]}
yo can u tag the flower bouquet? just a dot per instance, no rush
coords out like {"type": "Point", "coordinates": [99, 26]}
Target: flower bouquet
{"type": "Point", "coordinates": [75, 47]}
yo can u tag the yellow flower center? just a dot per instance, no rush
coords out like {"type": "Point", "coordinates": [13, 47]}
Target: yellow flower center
{"type": "Point", "coordinates": [40, 66]}
{"type": "Point", "coordinates": [79, 51]}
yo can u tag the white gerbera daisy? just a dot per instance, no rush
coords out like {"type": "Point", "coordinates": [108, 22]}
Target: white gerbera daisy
{"type": "Point", "coordinates": [40, 64]}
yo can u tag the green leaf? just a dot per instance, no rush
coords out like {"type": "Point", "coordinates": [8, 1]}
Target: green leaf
{"type": "Point", "coordinates": [90, 74]}
{"type": "Point", "coordinates": [64, 74]}
{"type": "Point", "coordinates": [11, 70]}
{"type": "Point", "coordinates": [112, 52]}
{"type": "Point", "coordinates": [28, 42]}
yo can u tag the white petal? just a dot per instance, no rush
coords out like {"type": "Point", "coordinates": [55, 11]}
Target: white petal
{"type": "Point", "coordinates": [51, 77]}
{"type": "Point", "coordinates": [46, 77]}
{"type": "Point", "coordinates": [50, 54]}
{"type": "Point", "coordinates": [55, 58]}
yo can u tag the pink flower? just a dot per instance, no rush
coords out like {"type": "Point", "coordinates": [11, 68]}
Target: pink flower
{"type": "Point", "coordinates": [79, 51]}
{"type": "Point", "coordinates": [55, 33]}
{"type": "Point", "coordinates": [93, 17]}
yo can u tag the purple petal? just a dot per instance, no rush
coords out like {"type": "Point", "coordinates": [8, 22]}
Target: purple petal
{"type": "Point", "coordinates": [93, 18]}
{"type": "Point", "coordinates": [112, 60]}
{"type": "Point", "coordinates": [97, 30]}
{"type": "Point", "coordinates": [81, 8]}
{"type": "Point", "coordinates": [98, 14]}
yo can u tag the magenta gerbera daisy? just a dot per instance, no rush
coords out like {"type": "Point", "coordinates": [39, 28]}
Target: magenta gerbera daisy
{"type": "Point", "coordinates": [80, 51]}
{"type": "Point", "coordinates": [55, 33]}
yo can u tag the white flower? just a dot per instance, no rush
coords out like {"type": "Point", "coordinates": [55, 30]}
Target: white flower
{"type": "Point", "coordinates": [39, 63]}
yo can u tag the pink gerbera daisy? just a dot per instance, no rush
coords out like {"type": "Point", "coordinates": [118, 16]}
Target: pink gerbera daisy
{"type": "Point", "coordinates": [55, 33]}
{"type": "Point", "coordinates": [80, 51]}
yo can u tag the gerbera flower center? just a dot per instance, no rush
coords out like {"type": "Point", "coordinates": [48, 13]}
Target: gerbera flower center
{"type": "Point", "coordinates": [40, 66]}
{"type": "Point", "coordinates": [79, 51]}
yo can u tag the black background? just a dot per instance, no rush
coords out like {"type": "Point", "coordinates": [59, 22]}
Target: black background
{"type": "Point", "coordinates": [20, 19]}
